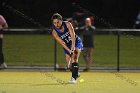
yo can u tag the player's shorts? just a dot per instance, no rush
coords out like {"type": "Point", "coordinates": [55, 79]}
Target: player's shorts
{"type": "Point", "coordinates": [78, 44]}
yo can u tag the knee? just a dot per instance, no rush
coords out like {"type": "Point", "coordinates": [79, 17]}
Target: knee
{"type": "Point", "coordinates": [75, 58]}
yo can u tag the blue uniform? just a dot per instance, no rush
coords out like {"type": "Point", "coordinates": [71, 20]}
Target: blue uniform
{"type": "Point", "coordinates": [66, 37]}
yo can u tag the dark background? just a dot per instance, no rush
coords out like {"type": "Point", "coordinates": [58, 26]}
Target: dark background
{"type": "Point", "coordinates": [120, 13]}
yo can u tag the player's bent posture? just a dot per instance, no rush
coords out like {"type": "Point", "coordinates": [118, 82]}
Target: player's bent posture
{"type": "Point", "coordinates": [3, 25]}
{"type": "Point", "coordinates": [64, 33]}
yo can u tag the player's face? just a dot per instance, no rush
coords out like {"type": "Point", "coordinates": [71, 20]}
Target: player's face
{"type": "Point", "coordinates": [88, 22]}
{"type": "Point", "coordinates": [57, 23]}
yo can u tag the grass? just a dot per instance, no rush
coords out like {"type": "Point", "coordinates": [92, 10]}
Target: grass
{"type": "Point", "coordinates": [28, 50]}
{"type": "Point", "coordinates": [56, 82]}
{"type": "Point", "coordinates": [38, 50]}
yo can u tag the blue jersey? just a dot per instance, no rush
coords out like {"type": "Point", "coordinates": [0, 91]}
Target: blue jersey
{"type": "Point", "coordinates": [66, 37]}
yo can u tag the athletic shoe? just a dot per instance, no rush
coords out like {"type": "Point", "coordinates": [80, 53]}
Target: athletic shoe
{"type": "Point", "coordinates": [72, 81]}
{"type": "Point", "coordinates": [4, 65]}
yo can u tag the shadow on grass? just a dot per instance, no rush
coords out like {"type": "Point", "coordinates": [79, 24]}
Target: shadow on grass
{"type": "Point", "coordinates": [15, 83]}
{"type": "Point", "coordinates": [43, 84]}
{"type": "Point", "coordinates": [64, 84]}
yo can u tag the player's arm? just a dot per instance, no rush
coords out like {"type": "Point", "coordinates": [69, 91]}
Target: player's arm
{"type": "Point", "coordinates": [58, 39]}
{"type": "Point", "coordinates": [5, 25]}
{"type": "Point", "coordinates": [72, 33]}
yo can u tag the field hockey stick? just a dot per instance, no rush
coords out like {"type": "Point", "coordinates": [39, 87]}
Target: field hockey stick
{"type": "Point", "coordinates": [68, 64]}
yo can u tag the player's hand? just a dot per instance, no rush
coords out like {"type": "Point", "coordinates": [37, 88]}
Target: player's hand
{"type": "Point", "coordinates": [72, 50]}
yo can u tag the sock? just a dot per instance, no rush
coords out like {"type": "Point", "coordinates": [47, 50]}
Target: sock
{"type": "Point", "coordinates": [75, 67]}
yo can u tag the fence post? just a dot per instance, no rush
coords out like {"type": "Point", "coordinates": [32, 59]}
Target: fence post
{"type": "Point", "coordinates": [118, 51]}
{"type": "Point", "coordinates": [55, 54]}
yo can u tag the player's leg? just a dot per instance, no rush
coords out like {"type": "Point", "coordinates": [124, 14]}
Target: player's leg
{"type": "Point", "coordinates": [1, 59]}
{"type": "Point", "coordinates": [75, 65]}
{"type": "Point", "coordinates": [90, 51]}
{"type": "Point", "coordinates": [74, 59]}
{"type": "Point", "coordinates": [86, 57]}
{"type": "Point", "coordinates": [2, 64]}
{"type": "Point", "coordinates": [67, 60]}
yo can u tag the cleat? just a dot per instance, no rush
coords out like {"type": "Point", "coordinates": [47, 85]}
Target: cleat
{"type": "Point", "coordinates": [72, 81]}
{"type": "Point", "coordinates": [4, 65]}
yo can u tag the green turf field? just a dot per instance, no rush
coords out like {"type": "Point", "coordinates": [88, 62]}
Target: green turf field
{"type": "Point", "coordinates": [38, 50]}
{"type": "Point", "coordinates": [56, 82]}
